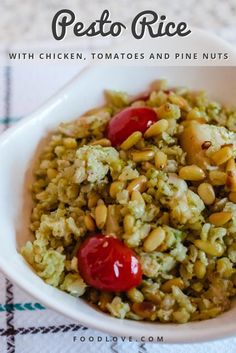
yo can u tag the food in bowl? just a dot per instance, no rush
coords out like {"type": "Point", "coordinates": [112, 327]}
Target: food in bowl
{"type": "Point", "coordinates": [135, 206]}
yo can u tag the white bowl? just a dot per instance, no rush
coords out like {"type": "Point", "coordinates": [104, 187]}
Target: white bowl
{"type": "Point", "coordinates": [18, 146]}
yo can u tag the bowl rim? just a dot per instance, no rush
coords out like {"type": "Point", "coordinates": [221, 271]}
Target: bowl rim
{"type": "Point", "coordinates": [119, 330]}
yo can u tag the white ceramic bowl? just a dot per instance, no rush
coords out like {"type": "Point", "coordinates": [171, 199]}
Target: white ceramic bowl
{"type": "Point", "coordinates": [18, 146]}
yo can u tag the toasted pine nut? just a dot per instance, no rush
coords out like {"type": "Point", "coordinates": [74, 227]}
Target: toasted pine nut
{"type": "Point", "coordinates": [131, 140]}
{"type": "Point", "coordinates": [100, 202]}
{"type": "Point", "coordinates": [147, 165]}
{"type": "Point", "coordinates": [112, 223]}
{"type": "Point", "coordinates": [160, 160]}
{"type": "Point", "coordinates": [136, 196]}
{"type": "Point", "coordinates": [191, 172]}
{"type": "Point", "coordinates": [220, 218]}
{"type": "Point", "coordinates": [231, 175]}
{"type": "Point", "coordinates": [217, 177]}
{"type": "Point", "coordinates": [213, 249]}
{"type": "Point", "coordinates": [230, 166]}
{"type": "Point", "coordinates": [206, 192]}
{"type": "Point", "coordinates": [145, 309]}
{"type": "Point", "coordinates": [197, 286]}
{"type": "Point", "coordinates": [168, 111]}
{"type": "Point", "coordinates": [165, 218]}
{"type": "Point", "coordinates": [92, 200]}
{"type": "Point", "coordinates": [154, 239]}
{"type": "Point", "coordinates": [157, 128]}
{"type": "Point", "coordinates": [167, 286]}
{"type": "Point", "coordinates": [128, 223]}
{"type": "Point", "coordinates": [199, 269]}
{"type": "Point", "coordinates": [222, 156]}
{"type": "Point", "coordinates": [178, 100]}
{"type": "Point", "coordinates": [232, 197]}
{"type": "Point", "coordinates": [231, 181]}
{"type": "Point", "coordinates": [135, 295]}
{"type": "Point", "coordinates": [51, 173]}
{"type": "Point", "coordinates": [102, 142]}
{"type": "Point", "coordinates": [89, 223]}
{"type": "Point", "coordinates": [142, 156]}
{"type": "Point", "coordinates": [69, 142]}
{"type": "Point", "coordinates": [100, 215]}
{"type": "Point", "coordinates": [137, 184]}
{"type": "Point", "coordinates": [116, 187]}
{"type": "Point", "coordinates": [104, 299]}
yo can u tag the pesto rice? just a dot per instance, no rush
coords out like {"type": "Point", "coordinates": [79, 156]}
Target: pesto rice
{"type": "Point", "coordinates": [181, 221]}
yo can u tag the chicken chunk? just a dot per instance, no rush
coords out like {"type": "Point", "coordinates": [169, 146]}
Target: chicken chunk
{"type": "Point", "coordinates": [198, 140]}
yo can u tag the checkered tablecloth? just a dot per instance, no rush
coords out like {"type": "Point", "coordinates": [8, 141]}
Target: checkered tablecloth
{"type": "Point", "coordinates": [26, 326]}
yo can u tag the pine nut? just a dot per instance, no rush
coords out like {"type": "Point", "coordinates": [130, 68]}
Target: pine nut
{"type": "Point", "coordinates": [102, 142]}
{"type": "Point", "coordinates": [157, 128]}
{"type": "Point", "coordinates": [217, 177]}
{"type": "Point", "coordinates": [213, 249]}
{"type": "Point", "coordinates": [230, 166]}
{"type": "Point", "coordinates": [92, 200]}
{"type": "Point", "coordinates": [178, 100]}
{"type": "Point", "coordinates": [154, 239]}
{"type": "Point", "coordinates": [199, 269]}
{"type": "Point", "coordinates": [159, 85]}
{"type": "Point", "coordinates": [100, 215]}
{"type": "Point", "coordinates": [135, 295]}
{"type": "Point", "coordinates": [138, 184]}
{"type": "Point", "coordinates": [104, 299]}
{"type": "Point", "coordinates": [165, 218]}
{"type": "Point", "coordinates": [206, 192]}
{"type": "Point", "coordinates": [147, 165]}
{"type": "Point", "coordinates": [197, 286]}
{"type": "Point", "coordinates": [129, 223]}
{"type": "Point", "coordinates": [131, 140]}
{"type": "Point", "coordinates": [231, 175]}
{"type": "Point", "coordinates": [100, 202]}
{"type": "Point", "coordinates": [220, 218]}
{"type": "Point", "coordinates": [232, 197]}
{"type": "Point", "coordinates": [89, 223]}
{"type": "Point", "coordinates": [51, 173]}
{"type": "Point", "coordinates": [167, 286]}
{"type": "Point", "coordinates": [168, 111]}
{"type": "Point", "coordinates": [222, 156]}
{"type": "Point", "coordinates": [136, 196]}
{"type": "Point", "coordinates": [192, 173]}
{"type": "Point", "coordinates": [112, 223]}
{"type": "Point", "coordinates": [160, 160]}
{"type": "Point", "coordinates": [142, 156]}
{"type": "Point", "coordinates": [116, 187]}
{"type": "Point", "coordinates": [231, 181]}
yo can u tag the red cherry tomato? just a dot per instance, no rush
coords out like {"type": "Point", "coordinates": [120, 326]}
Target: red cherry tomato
{"type": "Point", "coordinates": [129, 120]}
{"type": "Point", "coordinates": [107, 264]}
